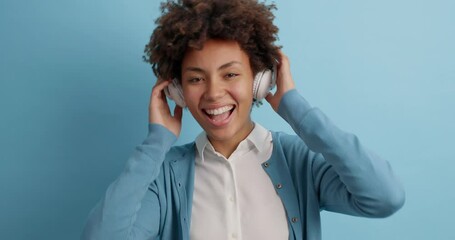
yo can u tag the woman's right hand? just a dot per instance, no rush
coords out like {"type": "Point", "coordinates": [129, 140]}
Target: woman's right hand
{"type": "Point", "coordinates": [159, 111]}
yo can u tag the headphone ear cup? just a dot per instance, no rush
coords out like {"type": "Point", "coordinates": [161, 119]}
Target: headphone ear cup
{"type": "Point", "coordinates": [264, 81]}
{"type": "Point", "coordinates": [174, 91]}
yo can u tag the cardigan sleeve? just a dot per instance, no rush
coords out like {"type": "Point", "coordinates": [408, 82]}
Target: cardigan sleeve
{"type": "Point", "coordinates": [118, 214]}
{"type": "Point", "coordinates": [347, 177]}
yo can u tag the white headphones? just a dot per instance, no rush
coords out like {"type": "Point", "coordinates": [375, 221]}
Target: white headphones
{"type": "Point", "coordinates": [264, 81]}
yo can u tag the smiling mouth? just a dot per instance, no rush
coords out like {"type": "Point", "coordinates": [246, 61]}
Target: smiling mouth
{"type": "Point", "coordinates": [220, 114]}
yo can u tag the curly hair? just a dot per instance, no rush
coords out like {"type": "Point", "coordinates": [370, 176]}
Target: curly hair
{"type": "Point", "coordinates": [187, 24]}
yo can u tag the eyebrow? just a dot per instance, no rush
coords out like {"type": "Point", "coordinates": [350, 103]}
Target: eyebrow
{"type": "Point", "coordinates": [226, 65]}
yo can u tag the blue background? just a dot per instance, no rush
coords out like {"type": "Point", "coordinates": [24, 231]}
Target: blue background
{"type": "Point", "coordinates": [74, 96]}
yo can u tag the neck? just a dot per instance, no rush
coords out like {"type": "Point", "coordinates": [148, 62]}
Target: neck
{"type": "Point", "coordinates": [227, 147]}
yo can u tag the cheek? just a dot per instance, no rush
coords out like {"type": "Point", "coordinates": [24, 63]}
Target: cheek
{"type": "Point", "coordinates": [192, 104]}
{"type": "Point", "coordinates": [243, 91]}
{"type": "Point", "coordinates": [191, 98]}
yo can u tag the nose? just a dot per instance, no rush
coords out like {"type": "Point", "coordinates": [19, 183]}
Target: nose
{"type": "Point", "coordinates": [214, 90]}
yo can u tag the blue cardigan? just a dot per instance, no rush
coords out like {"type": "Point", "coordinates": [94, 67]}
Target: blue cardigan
{"type": "Point", "coordinates": [322, 168]}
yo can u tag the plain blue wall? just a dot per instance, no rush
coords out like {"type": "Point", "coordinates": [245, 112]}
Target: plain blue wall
{"type": "Point", "coordinates": [74, 95]}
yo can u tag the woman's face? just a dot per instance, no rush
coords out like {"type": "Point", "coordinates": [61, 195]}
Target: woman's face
{"type": "Point", "coordinates": [217, 84]}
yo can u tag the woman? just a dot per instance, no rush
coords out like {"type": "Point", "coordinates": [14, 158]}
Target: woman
{"type": "Point", "coordinates": [237, 180]}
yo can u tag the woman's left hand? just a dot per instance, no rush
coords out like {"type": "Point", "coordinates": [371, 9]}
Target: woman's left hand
{"type": "Point", "coordinates": [284, 82]}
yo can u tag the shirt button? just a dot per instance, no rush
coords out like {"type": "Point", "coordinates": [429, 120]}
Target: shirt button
{"type": "Point", "coordinates": [266, 165]}
{"type": "Point", "coordinates": [279, 186]}
{"type": "Point", "coordinates": [231, 199]}
{"type": "Point", "coordinates": [294, 219]}
{"type": "Point", "coordinates": [234, 235]}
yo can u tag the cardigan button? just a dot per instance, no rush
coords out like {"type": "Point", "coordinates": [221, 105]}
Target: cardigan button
{"type": "Point", "coordinates": [294, 219]}
{"type": "Point", "coordinates": [279, 186]}
{"type": "Point", "coordinates": [266, 165]}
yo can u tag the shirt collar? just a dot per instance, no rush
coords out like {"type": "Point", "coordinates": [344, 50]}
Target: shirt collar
{"type": "Point", "coordinates": [258, 138]}
{"type": "Point", "coordinates": [201, 143]}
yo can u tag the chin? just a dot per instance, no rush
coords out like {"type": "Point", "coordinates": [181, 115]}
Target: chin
{"type": "Point", "coordinates": [220, 135]}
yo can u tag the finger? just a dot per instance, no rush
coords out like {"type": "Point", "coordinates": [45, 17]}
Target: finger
{"type": "Point", "coordinates": [282, 55]}
{"type": "Point", "coordinates": [284, 76]}
{"type": "Point", "coordinates": [163, 96]}
{"type": "Point", "coordinates": [178, 112]}
{"type": "Point", "coordinates": [284, 64]}
{"type": "Point", "coordinates": [269, 97]}
{"type": "Point", "coordinates": [160, 85]}
{"type": "Point", "coordinates": [157, 90]}
{"type": "Point", "coordinates": [158, 97]}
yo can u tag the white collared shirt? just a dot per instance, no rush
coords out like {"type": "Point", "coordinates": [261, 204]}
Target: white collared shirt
{"type": "Point", "coordinates": [234, 198]}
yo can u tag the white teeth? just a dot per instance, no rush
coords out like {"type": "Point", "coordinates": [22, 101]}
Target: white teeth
{"type": "Point", "coordinates": [219, 111]}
